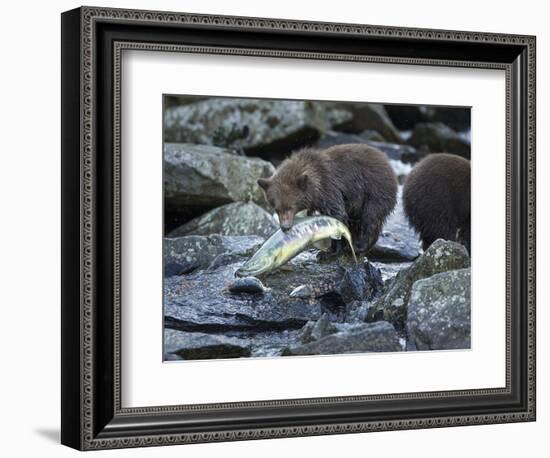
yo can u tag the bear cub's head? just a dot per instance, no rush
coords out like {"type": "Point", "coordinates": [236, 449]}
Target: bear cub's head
{"type": "Point", "coordinates": [288, 194]}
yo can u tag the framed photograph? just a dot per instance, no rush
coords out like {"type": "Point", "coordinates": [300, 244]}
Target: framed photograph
{"type": "Point", "coordinates": [276, 228]}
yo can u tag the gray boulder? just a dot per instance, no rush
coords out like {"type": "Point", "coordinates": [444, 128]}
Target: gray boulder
{"type": "Point", "coordinates": [198, 175]}
{"type": "Point", "coordinates": [362, 338]}
{"type": "Point", "coordinates": [367, 116]}
{"type": "Point", "coordinates": [238, 218]}
{"type": "Point", "coordinates": [439, 312]}
{"type": "Point", "coordinates": [441, 256]}
{"type": "Point", "coordinates": [254, 126]}
{"type": "Point", "coordinates": [196, 345]}
{"type": "Point", "coordinates": [439, 138]}
{"type": "Point", "coordinates": [198, 252]}
{"type": "Point", "coordinates": [202, 302]}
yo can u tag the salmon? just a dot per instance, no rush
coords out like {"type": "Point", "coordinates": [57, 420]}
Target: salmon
{"type": "Point", "coordinates": [282, 246]}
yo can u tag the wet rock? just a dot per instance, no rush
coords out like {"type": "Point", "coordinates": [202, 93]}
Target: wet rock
{"type": "Point", "coordinates": [438, 138]}
{"type": "Point", "coordinates": [389, 270]}
{"type": "Point", "coordinates": [405, 117]}
{"type": "Point", "coordinates": [441, 256]}
{"type": "Point", "coordinates": [238, 218]}
{"type": "Point", "coordinates": [201, 301]}
{"type": "Point", "coordinates": [315, 330]}
{"type": "Point", "coordinates": [257, 127]}
{"type": "Point", "coordinates": [367, 116]}
{"type": "Point", "coordinates": [172, 269]}
{"type": "Point", "coordinates": [356, 282]}
{"type": "Point", "coordinates": [198, 175]}
{"type": "Point", "coordinates": [359, 283]}
{"type": "Point", "coordinates": [362, 338]}
{"type": "Point", "coordinates": [397, 152]}
{"type": "Point", "coordinates": [198, 251]}
{"type": "Point", "coordinates": [398, 241]}
{"type": "Point", "coordinates": [457, 118]}
{"type": "Point", "coordinates": [249, 285]}
{"type": "Point", "coordinates": [439, 311]}
{"type": "Point", "coordinates": [195, 345]}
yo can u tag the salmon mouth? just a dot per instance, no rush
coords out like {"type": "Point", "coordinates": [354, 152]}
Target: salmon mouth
{"type": "Point", "coordinates": [251, 269]}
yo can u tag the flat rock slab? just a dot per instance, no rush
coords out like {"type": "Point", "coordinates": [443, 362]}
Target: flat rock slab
{"type": "Point", "coordinates": [196, 345]}
{"type": "Point", "coordinates": [202, 301]}
{"type": "Point", "coordinates": [361, 338]}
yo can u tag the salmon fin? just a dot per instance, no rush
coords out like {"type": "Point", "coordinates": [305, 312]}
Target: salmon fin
{"type": "Point", "coordinates": [301, 214]}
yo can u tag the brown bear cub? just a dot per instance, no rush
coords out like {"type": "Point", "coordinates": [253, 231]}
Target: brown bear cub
{"type": "Point", "coordinates": [352, 183]}
{"type": "Point", "coordinates": [436, 199]}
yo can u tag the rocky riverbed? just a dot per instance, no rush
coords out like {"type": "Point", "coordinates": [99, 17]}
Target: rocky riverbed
{"type": "Point", "coordinates": [397, 299]}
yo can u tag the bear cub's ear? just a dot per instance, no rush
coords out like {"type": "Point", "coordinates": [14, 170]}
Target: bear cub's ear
{"type": "Point", "coordinates": [302, 181]}
{"type": "Point", "coordinates": [263, 183]}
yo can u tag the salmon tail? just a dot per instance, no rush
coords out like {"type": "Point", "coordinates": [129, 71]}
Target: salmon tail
{"type": "Point", "coordinates": [347, 236]}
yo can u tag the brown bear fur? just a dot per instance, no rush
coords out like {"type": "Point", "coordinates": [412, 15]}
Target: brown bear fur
{"type": "Point", "coordinates": [436, 199]}
{"type": "Point", "coordinates": [353, 183]}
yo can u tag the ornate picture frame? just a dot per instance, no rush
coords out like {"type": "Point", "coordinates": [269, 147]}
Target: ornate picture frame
{"type": "Point", "coordinates": [92, 42]}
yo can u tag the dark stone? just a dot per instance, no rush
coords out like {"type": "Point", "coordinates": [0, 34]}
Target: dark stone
{"type": "Point", "coordinates": [359, 283]}
{"type": "Point", "coordinates": [361, 338]}
{"type": "Point", "coordinates": [438, 138]}
{"type": "Point", "coordinates": [395, 151]}
{"type": "Point", "coordinates": [367, 116]}
{"type": "Point", "coordinates": [172, 269]}
{"type": "Point", "coordinates": [194, 345]}
{"type": "Point", "coordinates": [457, 118]}
{"type": "Point", "coordinates": [405, 117]}
{"type": "Point", "coordinates": [249, 285]}
{"type": "Point", "coordinates": [315, 330]}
